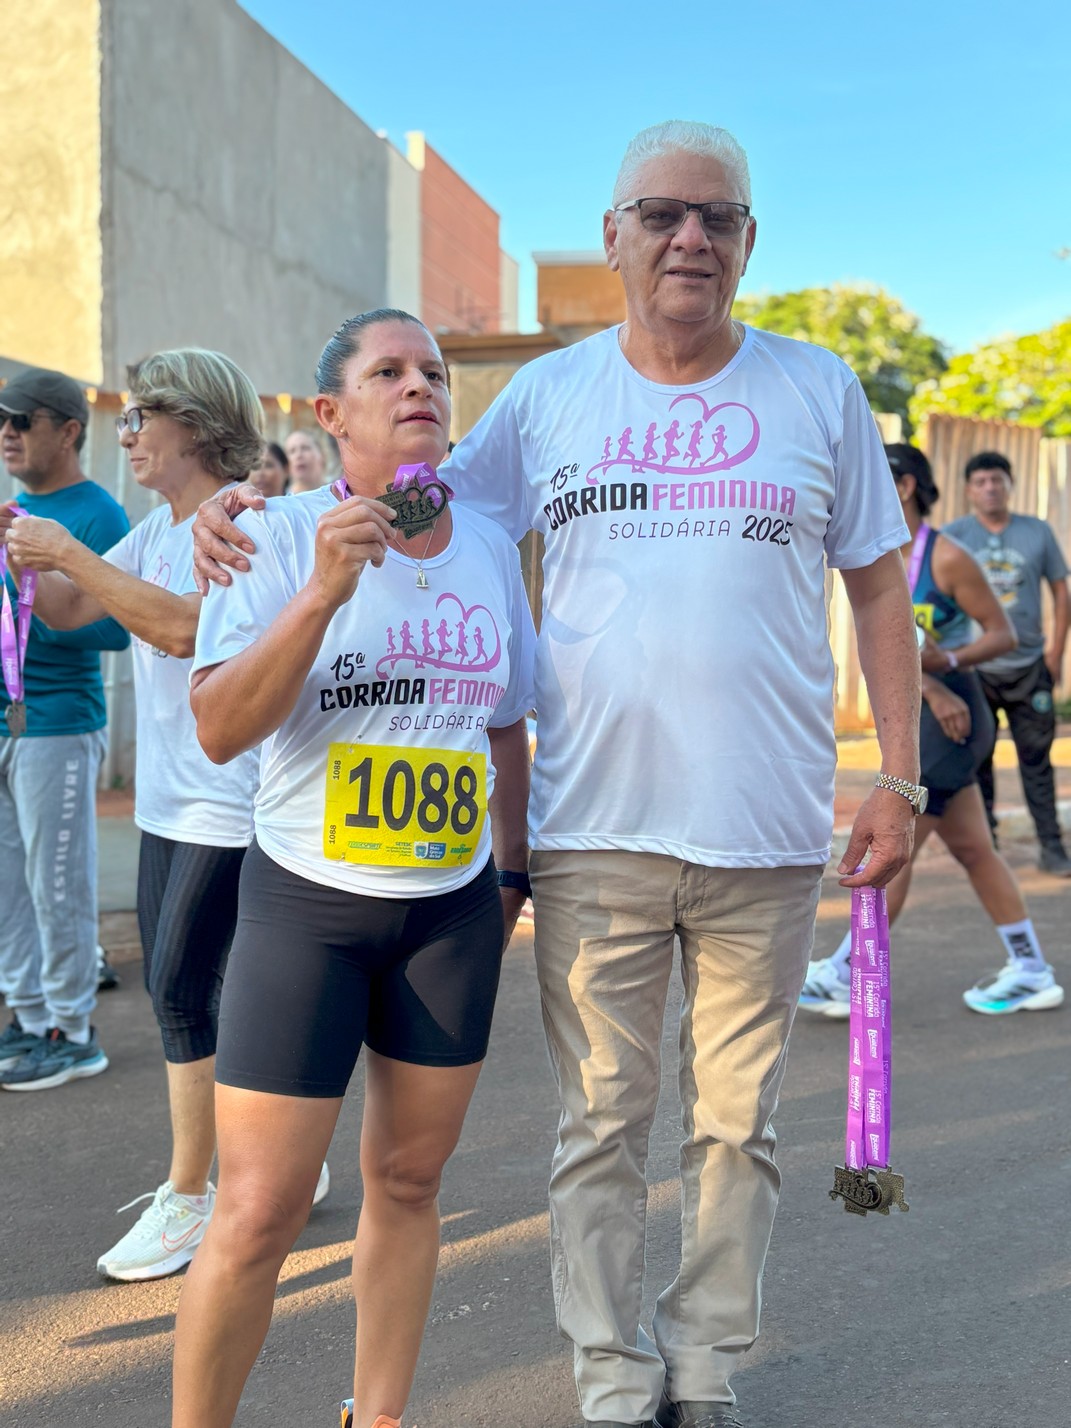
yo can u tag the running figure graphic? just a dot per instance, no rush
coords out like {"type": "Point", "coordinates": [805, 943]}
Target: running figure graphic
{"type": "Point", "coordinates": [695, 452]}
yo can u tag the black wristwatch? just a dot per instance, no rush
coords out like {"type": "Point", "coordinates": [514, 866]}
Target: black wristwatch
{"type": "Point", "coordinates": [520, 881]}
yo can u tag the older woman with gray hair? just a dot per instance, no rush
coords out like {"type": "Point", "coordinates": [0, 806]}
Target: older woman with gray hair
{"type": "Point", "coordinates": [191, 426]}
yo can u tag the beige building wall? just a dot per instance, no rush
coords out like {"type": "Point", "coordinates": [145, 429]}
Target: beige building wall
{"type": "Point", "coordinates": [403, 232]}
{"type": "Point", "coordinates": [50, 248]}
{"type": "Point", "coordinates": [509, 285]}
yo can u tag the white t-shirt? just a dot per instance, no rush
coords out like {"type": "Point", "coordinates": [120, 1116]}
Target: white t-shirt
{"type": "Point", "coordinates": [180, 793]}
{"type": "Point", "coordinates": [684, 681]}
{"type": "Point", "coordinates": [396, 706]}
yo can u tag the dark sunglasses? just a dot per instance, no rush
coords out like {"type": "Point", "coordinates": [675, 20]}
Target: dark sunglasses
{"type": "Point", "coordinates": [20, 421]}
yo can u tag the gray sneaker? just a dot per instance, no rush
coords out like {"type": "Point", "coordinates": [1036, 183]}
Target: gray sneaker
{"type": "Point", "coordinates": [15, 1043]}
{"type": "Point", "coordinates": [691, 1413]}
{"type": "Point", "coordinates": [1054, 860]}
{"type": "Point", "coordinates": [53, 1061]}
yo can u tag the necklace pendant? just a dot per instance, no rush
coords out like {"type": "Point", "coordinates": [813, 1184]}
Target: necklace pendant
{"type": "Point", "coordinates": [422, 579]}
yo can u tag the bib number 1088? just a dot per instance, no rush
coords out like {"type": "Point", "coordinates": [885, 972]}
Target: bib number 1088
{"type": "Point", "coordinates": [407, 807]}
{"type": "Point", "coordinates": [438, 801]}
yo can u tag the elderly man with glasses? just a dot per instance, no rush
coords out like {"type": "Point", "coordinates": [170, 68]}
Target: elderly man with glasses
{"type": "Point", "coordinates": [683, 781]}
{"type": "Point", "coordinates": [52, 718]}
{"type": "Point", "coordinates": [692, 478]}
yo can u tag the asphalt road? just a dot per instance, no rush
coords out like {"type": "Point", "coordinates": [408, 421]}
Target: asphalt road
{"type": "Point", "coordinates": [957, 1313]}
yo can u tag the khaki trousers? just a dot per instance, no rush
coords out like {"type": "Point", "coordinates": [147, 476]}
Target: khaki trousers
{"type": "Point", "coordinates": [605, 923]}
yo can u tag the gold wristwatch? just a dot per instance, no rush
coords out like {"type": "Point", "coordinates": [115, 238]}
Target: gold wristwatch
{"type": "Point", "coordinates": [915, 793]}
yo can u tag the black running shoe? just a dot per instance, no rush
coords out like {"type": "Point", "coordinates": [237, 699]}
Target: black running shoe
{"type": "Point", "coordinates": [693, 1414]}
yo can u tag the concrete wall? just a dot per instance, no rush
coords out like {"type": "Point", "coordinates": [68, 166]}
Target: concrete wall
{"type": "Point", "coordinates": [460, 285]}
{"type": "Point", "coordinates": [243, 203]}
{"type": "Point", "coordinates": [50, 250]}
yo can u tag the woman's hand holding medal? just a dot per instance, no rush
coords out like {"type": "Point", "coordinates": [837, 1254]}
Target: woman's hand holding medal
{"type": "Point", "coordinates": [348, 537]}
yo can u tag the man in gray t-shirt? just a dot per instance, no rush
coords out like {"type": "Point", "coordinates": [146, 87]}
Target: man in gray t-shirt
{"type": "Point", "coordinates": [1017, 553]}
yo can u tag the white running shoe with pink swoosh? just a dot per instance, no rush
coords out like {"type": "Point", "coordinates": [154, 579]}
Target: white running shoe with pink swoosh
{"type": "Point", "coordinates": [163, 1238]}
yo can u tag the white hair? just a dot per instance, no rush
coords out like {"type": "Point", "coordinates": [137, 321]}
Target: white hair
{"type": "Point", "coordinates": [682, 136]}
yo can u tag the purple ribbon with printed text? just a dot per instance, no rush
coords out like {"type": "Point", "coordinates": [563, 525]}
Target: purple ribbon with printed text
{"type": "Point", "coordinates": [419, 475]}
{"type": "Point", "coordinates": [15, 636]}
{"type": "Point", "coordinates": [869, 1123]}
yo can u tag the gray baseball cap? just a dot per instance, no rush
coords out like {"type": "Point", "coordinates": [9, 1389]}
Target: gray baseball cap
{"type": "Point", "coordinates": [38, 387]}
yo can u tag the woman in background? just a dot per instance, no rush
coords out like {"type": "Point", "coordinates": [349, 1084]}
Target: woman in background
{"type": "Point", "coordinates": [271, 474]}
{"type": "Point", "coordinates": [964, 626]}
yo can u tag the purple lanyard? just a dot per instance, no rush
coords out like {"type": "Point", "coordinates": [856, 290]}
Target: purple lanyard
{"type": "Point", "coordinates": [869, 1035]}
{"type": "Point", "coordinates": [14, 638]}
{"type": "Point", "coordinates": [419, 475]}
{"type": "Point", "coordinates": [918, 550]}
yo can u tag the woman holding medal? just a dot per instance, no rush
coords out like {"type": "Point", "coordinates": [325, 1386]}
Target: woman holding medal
{"type": "Point", "coordinates": [962, 625]}
{"type": "Point", "coordinates": [379, 648]}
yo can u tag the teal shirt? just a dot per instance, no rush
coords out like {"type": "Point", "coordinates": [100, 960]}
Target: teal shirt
{"type": "Point", "coordinates": [64, 692]}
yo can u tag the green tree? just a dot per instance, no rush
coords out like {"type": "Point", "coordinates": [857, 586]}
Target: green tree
{"type": "Point", "coordinates": [1023, 379]}
{"type": "Point", "coordinates": [879, 339]}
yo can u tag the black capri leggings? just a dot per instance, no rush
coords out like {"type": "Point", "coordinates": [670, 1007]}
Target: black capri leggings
{"type": "Point", "coordinates": [187, 909]}
{"type": "Point", "coordinates": [315, 972]}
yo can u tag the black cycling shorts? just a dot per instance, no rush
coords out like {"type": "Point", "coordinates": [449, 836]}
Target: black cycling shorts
{"type": "Point", "coordinates": [315, 972]}
{"type": "Point", "coordinates": [187, 905]}
{"type": "Point", "coordinates": [947, 766]}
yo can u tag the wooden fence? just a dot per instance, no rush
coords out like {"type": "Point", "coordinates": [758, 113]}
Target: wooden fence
{"type": "Point", "coordinates": [1042, 488]}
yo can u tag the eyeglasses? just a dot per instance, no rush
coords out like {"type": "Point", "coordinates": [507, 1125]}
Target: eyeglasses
{"type": "Point", "coordinates": [20, 421]}
{"type": "Point", "coordinates": [667, 215]}
{"type": "Point", "coordinates": [133, 419]}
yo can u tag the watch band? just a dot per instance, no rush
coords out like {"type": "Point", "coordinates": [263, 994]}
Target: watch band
{"type": "Point", "coordinates": [953, 662]}
{"type": "Point", "coordinates": [520, 881]}
{"type": "Point", "coordinates": [916, 793]}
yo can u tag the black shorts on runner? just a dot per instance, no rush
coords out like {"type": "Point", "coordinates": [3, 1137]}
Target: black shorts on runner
{"type": "Point", "coordinates": [187, 907]}
{"type": "Point", "coordinates": [948, 767]}
{"type": "Point", "coordinates": [315, 972]}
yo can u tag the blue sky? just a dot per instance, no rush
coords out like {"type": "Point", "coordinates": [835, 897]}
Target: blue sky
{"type": "Point", "coordinates": [923, 147]}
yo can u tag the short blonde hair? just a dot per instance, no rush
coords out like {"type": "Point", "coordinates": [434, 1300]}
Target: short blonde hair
{"type": "Point", "coordinates": [213, 397]}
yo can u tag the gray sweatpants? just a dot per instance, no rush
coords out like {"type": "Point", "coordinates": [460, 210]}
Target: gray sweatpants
{"type": "Point", "coordinates": [48, 877]}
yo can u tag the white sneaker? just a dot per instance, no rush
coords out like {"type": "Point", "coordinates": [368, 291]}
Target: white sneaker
{"type": "Point", "coordinates": [162, 1240]}
{"type": "Point", "coordinates": [322, 1185]}
{"type": "Point", "coordinates": [1014, 989]}
{"type": "Point", "coordinates": [824, 992]}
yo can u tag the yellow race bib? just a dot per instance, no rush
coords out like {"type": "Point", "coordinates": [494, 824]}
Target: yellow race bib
{"type": "Point", "coordinates": [407, 808]}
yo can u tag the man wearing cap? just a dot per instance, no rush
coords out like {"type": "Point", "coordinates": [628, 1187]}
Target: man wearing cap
{"type": "Point", "coordinates": [48, 768]}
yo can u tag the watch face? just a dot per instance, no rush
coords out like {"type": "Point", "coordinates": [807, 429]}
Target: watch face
{"type": "Point", "coordinates": [924, 798]}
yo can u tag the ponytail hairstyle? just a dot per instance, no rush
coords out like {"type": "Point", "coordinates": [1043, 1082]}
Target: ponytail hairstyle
{"type": "Point", "coordinates": [908, 460]}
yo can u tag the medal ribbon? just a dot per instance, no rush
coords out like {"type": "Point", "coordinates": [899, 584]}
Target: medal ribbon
{"type": "Point", "coordinates": [15, 637]}
{"type": "Point", "coordinates": [419, 476]}
{"type": "Point", "coordinates": [918, 550]}
{"type": "Point", "coordinates": [869, 1123]}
